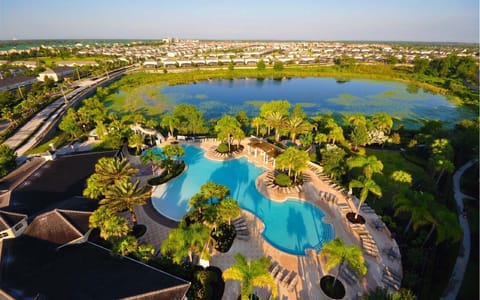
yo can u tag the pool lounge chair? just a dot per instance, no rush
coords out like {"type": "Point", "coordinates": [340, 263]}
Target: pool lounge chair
{"type": "Point", "coordinates": [293, 284]}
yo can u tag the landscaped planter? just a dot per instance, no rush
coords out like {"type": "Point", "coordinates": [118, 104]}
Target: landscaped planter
{"type": "Point", "coordinates": [351, 218]}
{"type": "Point", "coordinates": [336, 291]}
{"type": "Point", "coordinates": [224, 237]}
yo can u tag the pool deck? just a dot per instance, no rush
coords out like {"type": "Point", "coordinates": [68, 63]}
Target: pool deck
{"type": "Point", "coordinates": [310, 268]}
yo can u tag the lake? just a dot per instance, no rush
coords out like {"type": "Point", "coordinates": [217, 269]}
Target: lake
{"type": "Point", "coordinates": [316, 95]}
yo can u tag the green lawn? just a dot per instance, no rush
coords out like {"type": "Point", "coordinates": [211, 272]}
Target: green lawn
{"type": "Point", "coordinates": [393, 161]}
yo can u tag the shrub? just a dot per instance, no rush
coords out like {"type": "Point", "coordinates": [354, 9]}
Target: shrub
{"type": "Point", "coordinates": [222, 148]}
{"type": "Point", "coordinates": [165, 176]}
{"type": "Point", "coordinates": [283, 180]}
{"type": "Point", "coordinates": [224, 236]}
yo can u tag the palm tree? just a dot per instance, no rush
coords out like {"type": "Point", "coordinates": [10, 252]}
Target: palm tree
{"type": "Point", "coordinates": [335, 134]}
{"type": "Point", "coordinates": [136, 141]}
{"type": "Point", "coordinates": [212, 191]}
{"type": "Point", "coordinates": [276, 120]}
{"type": "Point", "coordinates": [339, 254]}
{"type": "Point", "coordinates": [367, 186]}
{"type": "Point", "coordinates": [226, 127]}
{"type": "Point", "coordinates": [185, 241]}
{"type": "Point", "coordinates": [321, 138]}
{"type": "Point", "coordinates": [369, 164]}
{"type": "Point", "coordinates": [382, 121]}
{"type": "Point", "coordinates": [417, 204]}
{"type": "Point", "coordinates": [297, 125]}
{"type": "Point", "coordinates": [151, 156]}
{"type": "Point", "coordinates": [257, 122]}
{"type": "Point", "coordinates": [107, 172]}
{"type": "Point", "coordinates": [125, 195]}
{"type": "Point", "coordinates": [250, 274]}
{"type": "Point", "coordinates": [111, 226]}
{"type": "Point", "coordinates": [228, 210]}
{"type": "Point", "coordinates": [125, 245]}
{"type": "Point", "coordinates": [445, 222]}
{"type": "Point", "coordinates": [356, 119]}
{"type": "Point", "coordinates": [293, 160]}
{"type": "Point", "coordinates": [169, 122]}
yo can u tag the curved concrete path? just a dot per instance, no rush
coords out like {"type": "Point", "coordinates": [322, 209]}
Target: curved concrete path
{"type": "Point", "coordinates": [458, 272]}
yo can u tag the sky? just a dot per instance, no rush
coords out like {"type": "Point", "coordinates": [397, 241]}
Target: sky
{"type": "Point", "coordinates": [325, 20]}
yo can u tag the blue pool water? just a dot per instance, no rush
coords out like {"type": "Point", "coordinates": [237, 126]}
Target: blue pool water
{"type": "Point", "coordinates": [291, 226]}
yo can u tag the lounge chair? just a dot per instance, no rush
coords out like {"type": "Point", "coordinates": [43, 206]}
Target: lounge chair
{"type": "Point", "coordinates": [293, 284]}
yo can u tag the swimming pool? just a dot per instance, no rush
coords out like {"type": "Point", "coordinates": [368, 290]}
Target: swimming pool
{"type": "Point", "coordinates": [291, 226]}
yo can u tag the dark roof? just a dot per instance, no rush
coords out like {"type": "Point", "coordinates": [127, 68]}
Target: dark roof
{"type": "Point", "coordinates": [79, 219]}
{"type": "Point", "coordinates": [54, 182]}
{"type": "Point", "coordinates": [9, 219]}
{"type": "Point", "coordinates": [31, 267]}
{"type": "Point", "coordinates": [14, 80]}
{"type": "Point", "coordinates": [55, 227]}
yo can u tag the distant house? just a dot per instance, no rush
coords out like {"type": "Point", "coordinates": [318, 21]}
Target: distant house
{"type": "Point", "coordinates": [56, 74]}
{"type": "Point", "coordinates": [150, 64]}
{"type": "Point", "coordinates": [12, 224]}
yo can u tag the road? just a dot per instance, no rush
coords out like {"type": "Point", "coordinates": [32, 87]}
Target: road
{"type": "Point", "coordinates": [34, 130]}
{"type": "Point", "coordinates": [458, 272]}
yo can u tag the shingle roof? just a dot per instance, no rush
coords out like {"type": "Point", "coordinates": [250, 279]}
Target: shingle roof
{"type": "Point", "coordinates": [9, 219]}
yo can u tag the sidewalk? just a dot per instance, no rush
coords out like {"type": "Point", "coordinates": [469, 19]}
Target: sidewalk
{"type": "Point", "coordinates": [458, 272]}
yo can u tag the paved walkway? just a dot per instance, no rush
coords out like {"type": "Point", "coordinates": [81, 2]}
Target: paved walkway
{"type": "Point", "coordinates": [458, 272]}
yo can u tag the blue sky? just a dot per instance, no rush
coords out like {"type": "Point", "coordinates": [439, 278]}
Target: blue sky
{"type": "Point", "coordinates": [391, 20]}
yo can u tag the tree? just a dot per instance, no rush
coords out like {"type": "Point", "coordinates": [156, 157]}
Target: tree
{"type": "Point", "coordinates": [107, 172]}
{"type": "Point", "coordinates": [367, 186]}
{"type": "Point", "coordinates": [250, 274]}
{"type": "Point", "coordinates": [169, 122]}
{"type": "Point", "coordinates": [136, 141]}
{"type": "Point", "coordinates": [125, 245]}
{"type": "Point", "coordinates": [356, 120]}
{"type": "Point", "coordinates": [280, 106]}
{"type": "Point", "coordinates": [70, 124]}
{"type": "Point", "coordinates": [226, 127]}
{"type": "Point", "coordinates": [261, 65]}
{"type": "Point", "coordinates": [214, 192]}
{"type": "Point", "coordinates": [369, 164]}
{"type": "Point", "coordinates": [417, 204]}
{"type": "Point", "coordinates": [188, 119]}
{"type": "Point", "coordinates": [296, 125]}
{"type": "Point", "coordinates": [339, 254]}
{"type": "Point", "coordinates": [7, 159]}
{"type": "Point", "coordinates": [333, 161]}
{"type": "Point", "coordinates": [382, 121]}
{"type": "Point", "coordinates": [151, 156]}
{"type": "Point", "coordinates": [359, 136]}
{"type": "Point", "coordinates": [185, 241]}
{"type": "Point", "coordinates": [276, 120]}
{"type": "Point", "coordinates": [110, 225]}
{"type": "Point", "coordinates": [257, 122]}
{"type": "Point", "coordinates": [173, 151]}
{"type": "Point", "coordinates": [444, 222]}
{"type": "Point", "coordinates": [320, 138]}
{"type": "Point", "coordinates": [243, 119]}
{"type": "Point", "coordinates": [401, 177]}
{"type": "Point", "coordinates": [278, 66]}
{"type": "Point", "coordinates": [227, 210]}
{"type": "Point", "coordinates": [125, 195]}
{"type": "Point", "coordinates": [293, 160]}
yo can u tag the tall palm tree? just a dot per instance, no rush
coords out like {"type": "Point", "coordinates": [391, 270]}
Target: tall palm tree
{"type": "Point", "coordinates": [444, 222]}
{"type": "Point", "coordinates": [185, 241]}
{"type": "Point", "coordinates": [257, 122]}
{"type": "Point", "coordinates": [356, 119]}
{"type": "Point", "coordinates": [151, 156]}
{"type": "Point", "coordinates": [297, 125]}
{"type": "Point", "coordinates": [169, 122]}
{"type": "Point", "coordinates": [369, 164]}
{"type": "Point", "coordinates": [228, 210]}
{"type": "Point", "coordinates": [294, 160]}
{"type": "Point", "coordinates": [339, 254]}
{"type": "Point", "coordinates": [212, 191]}
{"type": "Point", "coordinates": [417, 204]}
{"type": "Point", "coordinates": [320, 138]}
{"type": "Point", "coordinates": [335, 134]}
{"type": "Point", "coordinates": [367, 186]}
{"type": "Point", "coordinates": [125, 195]}
{"type": "Point", "coordinates": [136, 141]}
{"type": "Point", "coordinates": [250, 274]}
{"type": "Point", "coordinates": [382, 121]}
{"type": "Point", "coordinates": [276, 120]}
